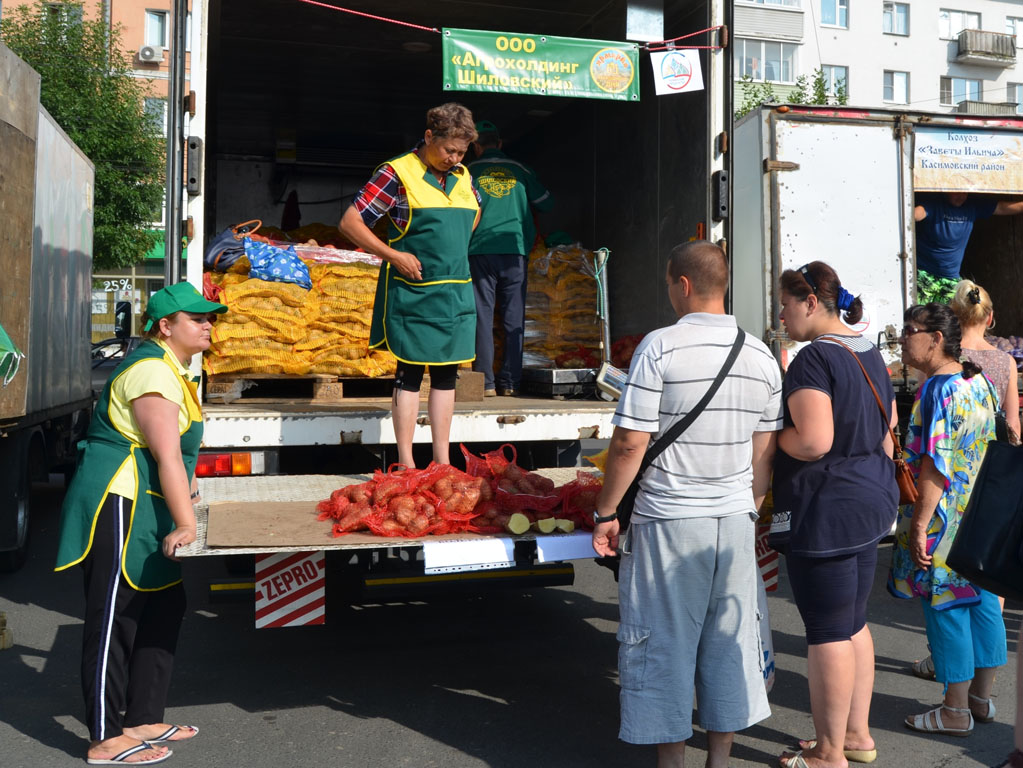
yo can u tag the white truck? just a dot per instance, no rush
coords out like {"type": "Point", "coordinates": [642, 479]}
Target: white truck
{"type": "Point", "coordinates": [296, 97]}
{"type": "Point", "coordinates": [839, 184]}
{"type": "Point", "coordinates": [46, 196]}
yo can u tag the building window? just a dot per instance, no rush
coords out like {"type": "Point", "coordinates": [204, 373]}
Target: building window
{"type": "Point", "coordinates": [1013, 25]}
{"type": "Point", "coordinates": [835, 13]}
{"type": "Point", "coordinates": [156, 29]}
{"type": "Point", "coordinates": [765, 60]}
{"type": "Point", "coordinates": [951, 23]}
{"type": "Point", "coordinates": [896, 87]}
{"type": "Point", "coordinates": [1014, 94]}
{"type": "Point", "coordinates": [835, 77]}
{"type": "Point", "coordinates": [956, 89]}
{"type": "Point", "coordinates": [65, 12]}
{"type": "Point", "coordinates": [155, 111]}
{"type": "Point", "coordinates": [895, 18]}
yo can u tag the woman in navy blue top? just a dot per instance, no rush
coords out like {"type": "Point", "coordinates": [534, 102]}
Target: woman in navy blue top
{"type": "Point", "coordinates": [835, 497]}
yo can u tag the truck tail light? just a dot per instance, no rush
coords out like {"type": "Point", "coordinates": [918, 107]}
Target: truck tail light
{"type": "Point", "coordinates": [228, 464]}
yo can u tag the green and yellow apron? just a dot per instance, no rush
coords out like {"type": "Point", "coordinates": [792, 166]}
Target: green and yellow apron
{"type": "Point", "coordinates": [433, 321]}
{"type": "Point", "coordinates": [101, 456]}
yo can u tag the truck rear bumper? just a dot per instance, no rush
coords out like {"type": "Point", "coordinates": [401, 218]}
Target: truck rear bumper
{"type": "Point", "coordinates": [369, 423]}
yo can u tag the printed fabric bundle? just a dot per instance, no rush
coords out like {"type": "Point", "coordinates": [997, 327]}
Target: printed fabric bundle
{"type": "Point", "coordinates": [279, 265]}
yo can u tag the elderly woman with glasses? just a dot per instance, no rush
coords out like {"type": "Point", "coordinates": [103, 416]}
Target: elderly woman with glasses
{"type": "Point", "coordinates": [953, 420]}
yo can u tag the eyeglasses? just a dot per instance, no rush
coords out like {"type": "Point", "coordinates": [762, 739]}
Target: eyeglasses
{"type": "Point", "coordinates": [200, 319]}
{"type": "Point", "coordinates": [909, 330]}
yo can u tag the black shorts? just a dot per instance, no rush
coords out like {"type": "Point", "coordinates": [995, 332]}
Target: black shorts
{"type": "Point", "coordinates": [831, 593]}
{"type": "Point", "coordinates": [409, 376]}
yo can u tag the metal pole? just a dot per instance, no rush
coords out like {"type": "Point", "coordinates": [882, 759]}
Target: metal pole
{"type": "Point", "coordinates": [175, 144]}
{"type": "Point", "coordinates": [602, 255]}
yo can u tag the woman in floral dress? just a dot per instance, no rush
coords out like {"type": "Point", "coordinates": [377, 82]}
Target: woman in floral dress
{"type": "Point", "coordinates": [950, 427]}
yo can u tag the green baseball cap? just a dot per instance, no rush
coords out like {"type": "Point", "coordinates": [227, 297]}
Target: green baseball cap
{"type": "Point", "coordinates": [181, 297]}
{"type": "Point", "coordinates": [485, 126]}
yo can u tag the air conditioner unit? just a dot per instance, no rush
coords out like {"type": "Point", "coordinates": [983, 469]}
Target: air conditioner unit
{"type": "Point", "coordinates": [150, 54]}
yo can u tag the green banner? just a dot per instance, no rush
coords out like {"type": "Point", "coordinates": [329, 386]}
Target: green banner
{"type": "Point", "coordinates": [541, 65]}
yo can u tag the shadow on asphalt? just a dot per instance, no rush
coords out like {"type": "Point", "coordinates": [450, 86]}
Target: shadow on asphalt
{"type": "Point", "coordinates": [507, 678]}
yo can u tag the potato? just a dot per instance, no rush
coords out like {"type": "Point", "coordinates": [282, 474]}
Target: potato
{"type": "Point", "coordinates": [517, 523]}
{"type": "Point", "coordinates": [385, 490]}
{"type": "Point", "coordinates": [419, 524]}
{"type": "Point", "coordinates": [443, 488]}
{"type": "Point", "coordinates": [545, 525]}
{"type": "Point", "coordinates": [564, 526]}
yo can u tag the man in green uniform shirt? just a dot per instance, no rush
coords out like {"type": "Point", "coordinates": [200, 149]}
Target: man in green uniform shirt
{"type": "Point", "coordinates": [509, 193]}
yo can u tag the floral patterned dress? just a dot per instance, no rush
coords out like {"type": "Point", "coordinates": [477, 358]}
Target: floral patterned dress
{"type": "Point", "coordinates": [952, 422]}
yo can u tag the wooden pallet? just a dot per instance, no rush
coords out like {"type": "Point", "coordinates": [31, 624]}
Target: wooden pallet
{"type": "Point", "coordinates": [315, 388]}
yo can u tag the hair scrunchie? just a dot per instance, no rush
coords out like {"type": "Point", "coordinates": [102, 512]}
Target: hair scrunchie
{"type": "Point", "coordinates": [974, 296]}
{"type": "Point", "coordinates": [845, 299]}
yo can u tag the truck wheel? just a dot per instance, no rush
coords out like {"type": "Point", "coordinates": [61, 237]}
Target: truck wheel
{"type": "Point", "coordinates": [16, 485]}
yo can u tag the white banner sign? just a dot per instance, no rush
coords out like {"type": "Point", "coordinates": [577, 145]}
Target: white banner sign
{"type": "Point", "coordinates": [677, 71]}
{"type": "Point", "coordinates": [963, 160]}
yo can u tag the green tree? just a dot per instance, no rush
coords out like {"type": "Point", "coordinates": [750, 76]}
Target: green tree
{"type": "Point", "coordinates": [88, 88]}
{"type": "Point", "coordinates": [754, 94]}
{"type": "Point", "coordinates": [805, 91]}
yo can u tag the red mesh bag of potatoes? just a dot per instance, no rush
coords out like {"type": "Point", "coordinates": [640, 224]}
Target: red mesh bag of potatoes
{"type": "Point", "coordinates": [579, 499]}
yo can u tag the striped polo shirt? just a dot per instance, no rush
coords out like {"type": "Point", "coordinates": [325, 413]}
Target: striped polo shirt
{"type": "Point", "coordinates": [708, 471]}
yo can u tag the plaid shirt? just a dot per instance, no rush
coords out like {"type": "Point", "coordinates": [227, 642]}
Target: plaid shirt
{"type": "Point", "coordinates": [384, 193]}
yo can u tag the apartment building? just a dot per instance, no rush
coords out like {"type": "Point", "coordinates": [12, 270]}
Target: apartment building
{"type": "Point", "coordinates": [944, 56]}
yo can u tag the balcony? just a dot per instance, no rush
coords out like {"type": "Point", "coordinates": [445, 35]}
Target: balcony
{"type": "Point", "coordinates": [986, 108]}
{"type": "Point", "coordinates": [992, 49]}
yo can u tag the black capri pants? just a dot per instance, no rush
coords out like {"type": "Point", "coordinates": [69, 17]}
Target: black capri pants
{"type": "Point", "coordinates": [831, 593]}
{"type": "Point", "coordinates": [409, 376]}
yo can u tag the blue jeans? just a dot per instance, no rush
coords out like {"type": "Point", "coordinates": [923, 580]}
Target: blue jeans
{"type": "Point", "coordinates": [499, 279]}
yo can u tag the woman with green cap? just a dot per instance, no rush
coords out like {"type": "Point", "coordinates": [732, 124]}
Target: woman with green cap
{"type": "Point", "coordinates": [127, 510]}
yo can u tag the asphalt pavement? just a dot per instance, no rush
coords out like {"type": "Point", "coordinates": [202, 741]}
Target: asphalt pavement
{"type": "Point", "coordinates": [504, 679]}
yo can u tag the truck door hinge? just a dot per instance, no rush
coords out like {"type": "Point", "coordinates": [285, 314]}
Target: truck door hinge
{"type": "Point", "coordinates": [779, 165]}
{"type": "Point", "coordinates": [719, 195]}
{"type": "Point", "coordinates": [901, 129]}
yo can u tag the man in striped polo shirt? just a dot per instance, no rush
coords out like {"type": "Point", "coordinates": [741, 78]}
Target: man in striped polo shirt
{"type": "Point", "coordinates": [687, 591]}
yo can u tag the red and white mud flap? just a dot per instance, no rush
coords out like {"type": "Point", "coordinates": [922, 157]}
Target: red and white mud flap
{"type": "Point", "coordinates": [767, 558]}
{"type": "Point", "coordinates": [290, 589]}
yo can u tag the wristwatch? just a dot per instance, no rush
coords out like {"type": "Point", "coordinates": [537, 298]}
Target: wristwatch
{"type": "Point", "coordinates": [606, 519]}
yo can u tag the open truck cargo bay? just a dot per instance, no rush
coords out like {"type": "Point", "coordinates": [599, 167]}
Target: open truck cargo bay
{"type": "Point", "coordinates": [839, 184]}
{"type": "Point", "coordinates": [292, 96]}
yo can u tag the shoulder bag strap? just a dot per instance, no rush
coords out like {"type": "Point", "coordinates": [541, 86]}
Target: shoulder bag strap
{"type": "Point", "coordinates": [884, 412]}
{"type": "Point", "coordinates": [675, 430]}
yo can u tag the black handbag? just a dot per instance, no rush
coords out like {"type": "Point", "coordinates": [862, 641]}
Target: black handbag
{"type": "Point", "coordinates": [673, 433]}
{"type": "Point", "coordinates": [229, 246]}
{"type": "Point", "coordinates": [1001, 425]}
{"type": "Point", "coordinates": [988, 547]}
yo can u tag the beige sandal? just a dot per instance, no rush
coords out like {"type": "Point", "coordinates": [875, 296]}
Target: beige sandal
{"type": "Point", "coordinates": [990, 716]}
{"type": "Point", "coordinates": [930, 722]}
{"type": "Point", "coordinates": [924, 668]}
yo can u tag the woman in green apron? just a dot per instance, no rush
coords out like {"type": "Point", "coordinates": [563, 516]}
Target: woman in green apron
{"type": "Point", "coordinates": [129, 507]}
{"type": "Point", "coordinates": [424, 311]}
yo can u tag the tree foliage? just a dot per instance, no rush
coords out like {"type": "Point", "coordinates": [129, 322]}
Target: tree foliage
{"type": "Point", "coordinates": [806, 91]}
{"type": "Point", "coordinates": [89, 89]}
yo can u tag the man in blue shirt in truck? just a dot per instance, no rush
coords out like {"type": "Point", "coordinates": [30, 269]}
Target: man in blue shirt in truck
{"type": "Point", "coordinates": [509, 194]}
{"type": "Point", "coordinates": [944, 224]}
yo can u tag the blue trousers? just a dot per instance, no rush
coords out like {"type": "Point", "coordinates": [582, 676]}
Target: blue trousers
{"type": "Point", "coordinates": [965, 638]}
{"type": "Point", "coordinates": [499, 280]}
